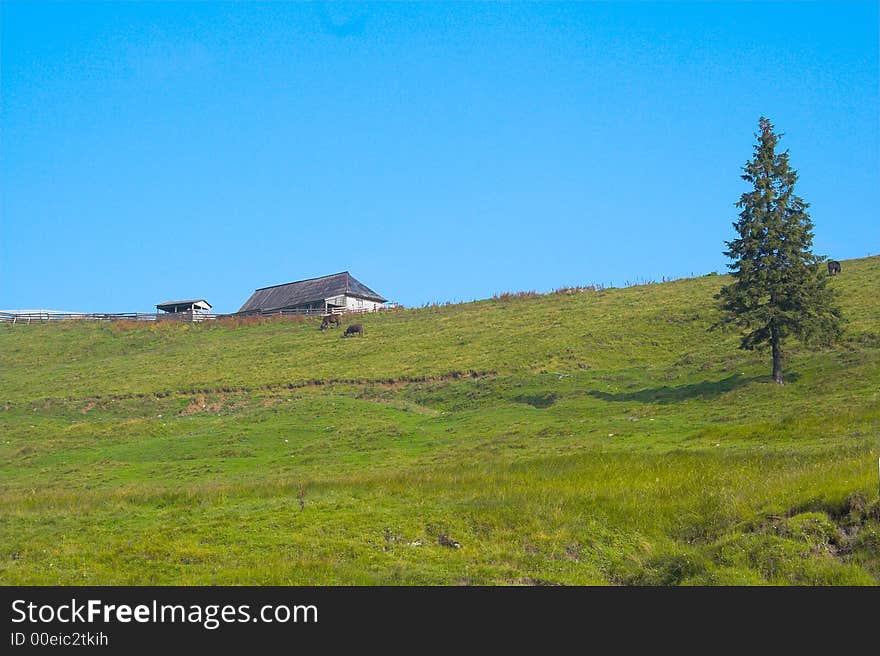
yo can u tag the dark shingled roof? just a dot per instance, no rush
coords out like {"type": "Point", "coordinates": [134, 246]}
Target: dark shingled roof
{"type": "Point", "coordinates": [292, 294]}
{"type": "Point", "coordinates": [186, 302]}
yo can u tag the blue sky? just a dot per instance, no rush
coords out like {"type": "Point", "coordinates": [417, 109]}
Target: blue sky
{"type": "Point", "coordinates": [439, 152]}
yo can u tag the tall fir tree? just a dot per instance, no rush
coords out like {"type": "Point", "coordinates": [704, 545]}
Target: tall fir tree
{"type": "Point", "coordinates": [778, 289]}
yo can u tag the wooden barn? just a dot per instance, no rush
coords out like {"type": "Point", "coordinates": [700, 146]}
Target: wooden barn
{"type": "Point", "coordinates": [339, 292]}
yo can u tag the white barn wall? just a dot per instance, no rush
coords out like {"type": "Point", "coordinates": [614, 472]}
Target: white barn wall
{"type": "Point", "coordinates": [354, 303]}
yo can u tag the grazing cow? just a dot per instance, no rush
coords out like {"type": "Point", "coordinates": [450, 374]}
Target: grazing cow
{"type": "Point", "coordinates": [833, 267]}
{"type": "Point", "coordinates": [354, 329]}
{"type": "Point", "coordinates": [328, 320]}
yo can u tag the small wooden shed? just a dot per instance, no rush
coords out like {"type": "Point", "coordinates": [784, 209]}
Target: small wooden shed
{"type": "Point", "coordinates": [188, 310]}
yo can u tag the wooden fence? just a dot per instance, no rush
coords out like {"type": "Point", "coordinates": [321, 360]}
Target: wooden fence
{"type": "Point", "coordinates": [44, 317]}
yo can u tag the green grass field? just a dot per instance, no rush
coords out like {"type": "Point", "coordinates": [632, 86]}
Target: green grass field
{"type": "Point", "coordinates": [594, 437]}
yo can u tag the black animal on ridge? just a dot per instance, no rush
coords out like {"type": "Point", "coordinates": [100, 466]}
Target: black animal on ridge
{"type": "Point", "coordinates": [833, 267]}
{"type": "Point", "coordinates": [354, 329]}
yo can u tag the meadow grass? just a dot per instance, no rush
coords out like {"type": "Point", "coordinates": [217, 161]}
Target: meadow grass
{"type": "Point", "coordinates": [588, 437]}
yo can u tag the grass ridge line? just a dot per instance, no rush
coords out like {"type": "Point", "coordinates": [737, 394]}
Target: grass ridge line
{"type": "Point", "coordinates": [270, 387]}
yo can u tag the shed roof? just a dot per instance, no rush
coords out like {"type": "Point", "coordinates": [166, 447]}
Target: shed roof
{"type": "Point", "coordinates": [191, 301]}
{"type": "Point", "coordinates": [311, 290]}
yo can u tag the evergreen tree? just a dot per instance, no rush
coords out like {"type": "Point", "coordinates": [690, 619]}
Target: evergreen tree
{"type": "Point", "coordinates": [778, 289]}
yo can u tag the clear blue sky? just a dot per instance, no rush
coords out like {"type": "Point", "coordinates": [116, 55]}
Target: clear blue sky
{"type": "Point", "coordinates": [438, 152]}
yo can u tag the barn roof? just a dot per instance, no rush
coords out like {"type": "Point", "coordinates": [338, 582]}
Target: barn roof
{"type": "Point", "coordinates": [308, 291]}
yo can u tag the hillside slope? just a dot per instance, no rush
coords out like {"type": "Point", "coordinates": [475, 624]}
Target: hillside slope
{"type": "Point", "coordinates": [586, 437]}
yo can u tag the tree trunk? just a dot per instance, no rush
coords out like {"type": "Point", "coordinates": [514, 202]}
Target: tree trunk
{"type": "Point", "coordinates": [777, 355]}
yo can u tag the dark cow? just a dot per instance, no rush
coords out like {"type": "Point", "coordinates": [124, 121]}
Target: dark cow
{"type": "Point", "coordinates": [833, 267]}
{"type": "Point", "coordinates": [354, 329]}
{"type": "Point", "coordinates": [328, 320]}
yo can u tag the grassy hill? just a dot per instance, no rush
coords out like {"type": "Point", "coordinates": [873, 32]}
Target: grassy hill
{"type": "Point", "coordinates": [570, 438]}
